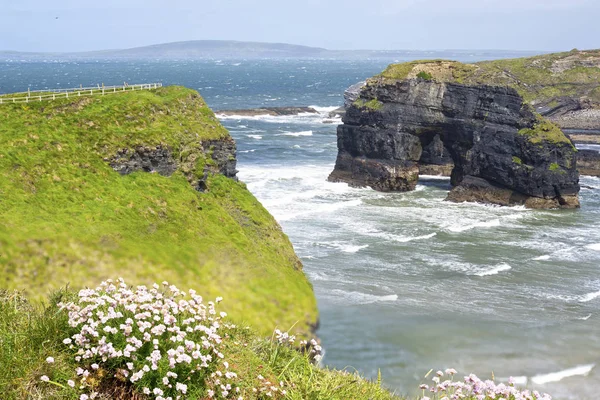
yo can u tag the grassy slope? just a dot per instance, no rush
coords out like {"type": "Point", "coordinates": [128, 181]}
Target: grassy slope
{"type": "Point", "coordinates": [67, 218]}
{"type": "Point", "coordinates": [30, 333]}
{"type": "Point", "coordinates": [538, 79]}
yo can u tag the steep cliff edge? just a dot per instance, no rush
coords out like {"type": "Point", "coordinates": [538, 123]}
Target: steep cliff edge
{"type": "Point", "coordinates": [564, 87]}
{"type": "Point", "coordinates": [503, 152]}
{"type": "Point", "coordinates": [140, 185]}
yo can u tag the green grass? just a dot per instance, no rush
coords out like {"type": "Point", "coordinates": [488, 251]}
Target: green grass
{"type": "Point", "coordinates": [373, 104]}
{"type": "Point", "coordinates": [66, 217]}
{"type": "Point", "coordinates": [31, 333]}
{"type": "Point", "coordinates": [425, 75]}
{"type": "Point", "coordinates": [539, 79]}
{"type": "Point", "coordinates": [545, 131]}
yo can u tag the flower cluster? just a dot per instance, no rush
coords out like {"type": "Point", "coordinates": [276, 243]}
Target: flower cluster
{"type": "Point", "coordinates": [316, 351]}
{"type": "Point", "coordinates": [474, 388]}
{"type": "Point", "coordinates": [158, 339]}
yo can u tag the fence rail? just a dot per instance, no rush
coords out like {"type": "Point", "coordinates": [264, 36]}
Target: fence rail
{"type": "Point", "coordinates": [53, 94]}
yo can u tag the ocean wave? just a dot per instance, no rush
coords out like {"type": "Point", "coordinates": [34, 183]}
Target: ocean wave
{"type": "Point", "coordinates": [495, 270]}
{"type": "Point", "coordinates": [257, 137]}
{"type": "Point", "coordinates": [364, 298]}
{"type": "Point", "coordinates": [595, 246]}
{"type": "Point", "coordinates": [585, 318]}
{"type": "Point", "coordinates": [322, 115]}
{"type": "Point", "coordinates": [296, 134]}
{"type": "Point", "coordinates": [315, 208]}
{"type": "Point", "coordinates": [349, 248]}
{"type": "Point", "coordinates": [583, 298]}
{"type": "Point", "coordinates": [589, 297]}
{"type": "Point", "coordinates": [324, 110]}
{"type": "Point", "coordinates": [482, 224]}
{"type": "Point", "coordinates": [541, 258]}
{"type": "Point", "coordinates": [434, 178]}
{"type": "Point", "coordinates": [247, 151]}
{"type": "Point", "coordinates": [581, 370]}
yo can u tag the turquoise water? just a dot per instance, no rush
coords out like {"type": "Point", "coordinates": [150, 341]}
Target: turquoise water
{"type": "Point", "coordinates": [405, 282]}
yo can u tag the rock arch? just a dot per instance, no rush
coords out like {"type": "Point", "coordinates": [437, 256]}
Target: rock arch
{"type": "Point", "coordinates": [503, 153]}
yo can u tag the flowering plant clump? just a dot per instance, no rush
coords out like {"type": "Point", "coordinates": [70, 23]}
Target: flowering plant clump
{"type": "Point", "coordinates": [160, 340]}
{"type": "Point", "coordinates": [474, 388]}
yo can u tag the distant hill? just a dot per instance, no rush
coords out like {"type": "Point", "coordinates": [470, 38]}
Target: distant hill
{"type": "Point", "coordinates": [223, 49]}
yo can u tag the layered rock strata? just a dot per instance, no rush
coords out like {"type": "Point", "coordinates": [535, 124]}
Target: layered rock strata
{"type": "Point", "coordinates": [502, 152]}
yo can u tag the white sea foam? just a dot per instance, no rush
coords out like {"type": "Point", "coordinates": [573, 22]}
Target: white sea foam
{"type": "Point", "coordinates": [324, 110]}
{"type": "Point", "coordinates": [595, 246]}
{"type": "Point", "coordinates": [257, 137]}
{"type": "Point", "coordinates": [302, 118]}
{"type": "Point", "coordinates": [315, 208]}
{"type": "Point", "coordinates": [581, 370]}
{"type": "Point", "coordinates": [589, 297]}
{"type": "Point", "coordinates": [349, 248]}
{"type": "Point", "coordinates": [585, 318]}
{"type": "Point", "coordinates": [364, 298]}
{"type": "Point", "coordinates": [296, 134]}
{"type": "Point", "coordinates": [542, 258]}
{"type": "Point", "coordinates": [495, 270]}
{"type": "Point", "coordinates": [482, 224]}
{"type": "Point", "coordinates": [434, 178]}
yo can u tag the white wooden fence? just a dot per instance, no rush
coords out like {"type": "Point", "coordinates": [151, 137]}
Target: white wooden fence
{"type": "Point", "coordinates": [42, 95]}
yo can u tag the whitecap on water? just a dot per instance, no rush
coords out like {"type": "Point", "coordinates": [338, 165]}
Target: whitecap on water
{"type": "Point", "coordinates": [589, 296]}
{"type": "Point", "coordinates": [595, 246]}
{"type": "Point", "coordinates": [257, 137]}
{"type": "Point", "coordinates": [296, 134]}
{"type": "Point", "coordinates": [585, 318]}
{"type": "Point", "coordinates": [542, 258]}
{"type": "Point", "coordinates": [481, 224]}
{"type": "Point", "coordinates": [581, 370]}
{"type": "Point", "coordinates": [347, 247]}
{"type": "Point", "coordinates": [364, 298]}
{"type": "Point", "coordinates": [495, 270]}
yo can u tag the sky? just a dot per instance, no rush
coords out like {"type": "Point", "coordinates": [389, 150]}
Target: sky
{"type": "Point", "coordinates": [86, 25]}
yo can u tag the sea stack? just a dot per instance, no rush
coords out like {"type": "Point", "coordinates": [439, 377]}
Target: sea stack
{"type": "Point", "coordinates": [501, 150]}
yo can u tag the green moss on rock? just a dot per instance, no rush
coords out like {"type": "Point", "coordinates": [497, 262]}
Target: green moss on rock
{"type": "Point", "coordinates": [372, 104]}
{"type": "Point", "coordinates": [517, 160]}
{"type": "Point", "coordinates": [66, 217]}
{"type": "Point", "coordinates": [545, 131]}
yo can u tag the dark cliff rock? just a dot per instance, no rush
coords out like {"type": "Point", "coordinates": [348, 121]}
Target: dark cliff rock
{"type": "Point", "coordinates": [588, 162]}
{"type": "Point", "coordinates": [494, 140]}
{"type": "Point", "coordinates": [219, 158]}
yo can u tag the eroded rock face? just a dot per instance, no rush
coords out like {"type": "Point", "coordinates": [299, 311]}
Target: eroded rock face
{"type": "Point", "coordinates": [487, 131]}
{"type": "Point", "coordinates": [219, 156]}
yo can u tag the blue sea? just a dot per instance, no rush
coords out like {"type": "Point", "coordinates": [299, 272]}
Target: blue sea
{"type": "Point", "coordinates": [405, 282]}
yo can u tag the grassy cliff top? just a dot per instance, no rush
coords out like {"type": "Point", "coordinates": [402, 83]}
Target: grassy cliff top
{"type": "Point", "coordinates": [538, 79]}
{"type": "Point", "coordinates": [67, 218]}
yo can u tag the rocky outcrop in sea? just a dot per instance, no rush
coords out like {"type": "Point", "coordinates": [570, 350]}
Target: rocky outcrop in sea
{"type": "Point", "coordinates": [501, 150]}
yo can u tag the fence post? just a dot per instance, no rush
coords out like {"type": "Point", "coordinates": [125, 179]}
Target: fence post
{"type": "Point", "coordinates": [40, 98]}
